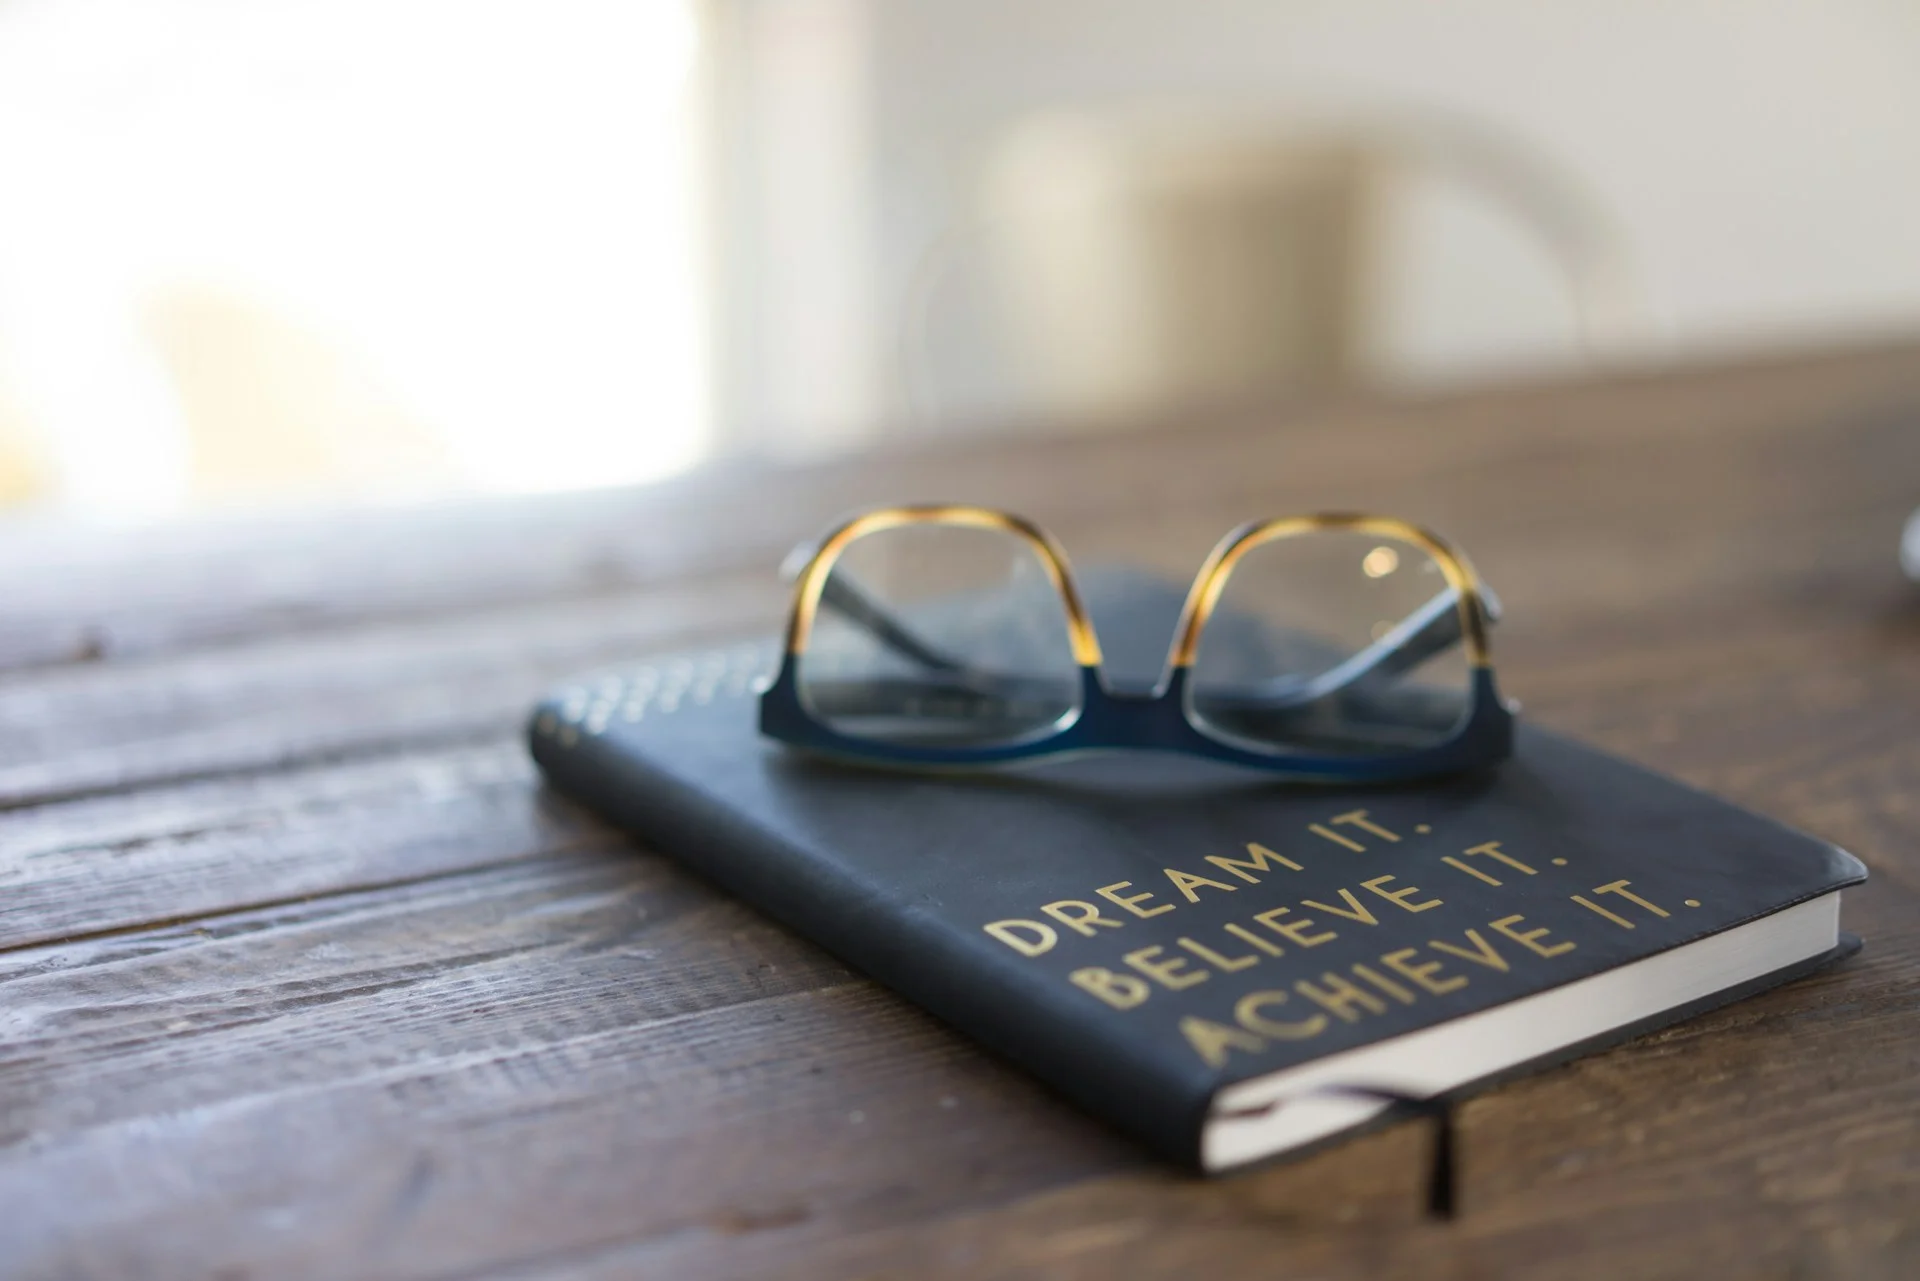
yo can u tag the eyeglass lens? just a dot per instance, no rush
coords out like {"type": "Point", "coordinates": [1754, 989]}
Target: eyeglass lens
{"type": "Point", "coordinates": [940, 636]}
{"type": "Point", "coordinates": [1329, 643]}
{"type": "Point", "coordinates": [1332, 643]}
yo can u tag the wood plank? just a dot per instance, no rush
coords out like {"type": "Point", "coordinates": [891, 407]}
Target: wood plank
{"type": "Point", "coordinates": [120, 861]}
{"type": "Point", "coordinates": [291, 699]}
{"type": "Point", "coordinates": [1371, 1180]}
{"type": "Point", "coordinates": [597, 1066]}
{"type": "Point", "coordinates": [284, 701]}
{"type": "Point", "coordinates": [1678, 686]}
{"type": "Point", "coordinates": [253, 839]}
{"type": "Point", "coordinates": [1816, 730]}
{"type": "Point", "coordinates": [100, 595]}
{"type": "Point", "coordinates": [1759, 718]}
{"type": "Point", "coordinates": [343, 995]}
{"type": "Point", "coordinates": [1618, 556]}
{"type": "Point", "coordinates": [1644, 1162]}
{"type": "Point", "coordinates": [551, 1053]}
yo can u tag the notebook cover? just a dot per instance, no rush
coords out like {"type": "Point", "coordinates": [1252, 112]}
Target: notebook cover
{"type": "Point", "coordinates": [1194, 886]}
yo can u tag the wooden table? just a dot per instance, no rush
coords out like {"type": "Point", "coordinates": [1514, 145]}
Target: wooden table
{"type": "Point", "coordinates": [302, 975]}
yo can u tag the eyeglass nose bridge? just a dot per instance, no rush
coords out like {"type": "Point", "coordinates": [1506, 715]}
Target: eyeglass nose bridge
{"type": "Point", "coordinates": [1135, 690]}
{"type": "Point", "coordinates": [1137, 711]}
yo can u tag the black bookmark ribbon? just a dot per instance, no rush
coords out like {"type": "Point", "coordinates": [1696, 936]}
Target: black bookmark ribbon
{"type": "Point", "coordinates": [1442, 1166]}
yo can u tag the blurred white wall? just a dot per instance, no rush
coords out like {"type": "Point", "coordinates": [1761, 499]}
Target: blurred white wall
{"type": "Point", "coordinates": [1760, 160]}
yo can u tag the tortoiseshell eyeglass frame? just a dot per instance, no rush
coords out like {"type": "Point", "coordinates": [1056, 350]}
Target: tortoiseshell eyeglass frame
{"type": "Point", "coordinates": [1158, 719]}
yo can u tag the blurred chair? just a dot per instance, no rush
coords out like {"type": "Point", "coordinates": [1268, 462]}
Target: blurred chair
{"type": "Point", "coordinates": [1145, 261]}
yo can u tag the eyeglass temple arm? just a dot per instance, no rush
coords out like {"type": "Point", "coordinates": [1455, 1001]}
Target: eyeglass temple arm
{"type": "Point", "coordinates": [1432, 629]}
{"type": "Point", "coordinates": [843, 597]}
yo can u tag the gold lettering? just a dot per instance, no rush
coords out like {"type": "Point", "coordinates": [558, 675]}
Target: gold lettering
{"type": "Point", "coordinates": [1246, 935]}
{"type": "Point", "coordinates": [1355, 911]}
{"type": "Point", "coordinates": [1384, 983]}
{"type": "Point", "coordinates": [1336, 838]}
{"type": "Point", "coordinates": [1492, 850]}
{"type": "Point", "coordinates": [1339, 995]}
{"type": "Point", "coordinates": [1167, 972]}
{"type": "Point", "coordinates": [1620, 888]}
{"type": "Point", "coordinates": [1009, 932]}
{"type": "Point", "coordinates": [1121, 991]}
{"type": "Point", "coordinates": [1525, 938]}
{"type": "Point", "coordinates": [1482, 954]}
{"type": "Point", "coordinates": [1399, 897]}
{"type": "Point", "coordinates": [1228, 964]}
{"type": "Point", "coordinates": [1212, 1041]}
{"type": "Point", "coordinates": [1422, 972]}
{"type": "Point", "coordinates": [1112, 894]}
{"type": "Point", "coordinates": [1079, 916]}
{"type": "Point", "coordinates": [1469, 869]}
{"type": "Point", "coordinates": [1185, 881]}
{"type": "Point", "coordinates": [1247, 1011]}
{"type": "Point", "coordinates": [1358, 818]}
{"type": "Point", "coordinates": [1244, 868]}
{"type": "Point", "coordinates": [1295, 931]}
{"type": "Point", "coordinates": [1594, 907]}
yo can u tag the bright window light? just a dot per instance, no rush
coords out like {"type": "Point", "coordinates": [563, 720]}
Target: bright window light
{"type": "Point", "coordinates": [258, 247]}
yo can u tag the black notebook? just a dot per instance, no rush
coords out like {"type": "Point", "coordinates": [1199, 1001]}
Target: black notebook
{"type": "Point", "coordinates": [1227, 967]}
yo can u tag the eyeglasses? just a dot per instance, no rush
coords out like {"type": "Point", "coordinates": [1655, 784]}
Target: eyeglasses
{"type": "Point", "coordinates": [1341, 647]}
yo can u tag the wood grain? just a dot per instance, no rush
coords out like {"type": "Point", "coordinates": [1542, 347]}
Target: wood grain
{"type": "Point", "coordinates": [303, 975]}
